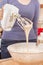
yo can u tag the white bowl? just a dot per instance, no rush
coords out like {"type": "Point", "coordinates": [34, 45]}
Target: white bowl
{"type": "Point", "coordinates": [20, 53]}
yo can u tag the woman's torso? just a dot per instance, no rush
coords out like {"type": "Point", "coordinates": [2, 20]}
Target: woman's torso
{"type": "Point", "coordinates": [26, 11]}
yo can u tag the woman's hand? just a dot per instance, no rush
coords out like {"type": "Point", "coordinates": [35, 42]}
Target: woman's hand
{"type": "Point", "coordinates": [1, 13]}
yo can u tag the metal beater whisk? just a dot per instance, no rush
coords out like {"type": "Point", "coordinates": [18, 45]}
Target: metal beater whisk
{"type": "Point", "coordinates": [22, 21]}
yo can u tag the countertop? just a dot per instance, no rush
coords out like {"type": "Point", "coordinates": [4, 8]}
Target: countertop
{"type": "Point", "coordinates": [10, 61]}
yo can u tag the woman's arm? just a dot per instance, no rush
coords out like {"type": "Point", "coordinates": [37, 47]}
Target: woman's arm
{"type": "Point", "coordinates": [36, 17]}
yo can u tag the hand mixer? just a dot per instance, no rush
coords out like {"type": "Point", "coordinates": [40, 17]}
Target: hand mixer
{"type": "Point", "coordinates": [11, 13]}
{"type": "Point", "coordinates": [8, 20]}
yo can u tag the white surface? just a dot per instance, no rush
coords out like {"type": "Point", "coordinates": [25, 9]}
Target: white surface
{"type": "Point", "coordinates": [40, 37]}
{"type": "Point", "coordinates": [21, 48]}
{"type": "Point", "coordinates": [41, 34]}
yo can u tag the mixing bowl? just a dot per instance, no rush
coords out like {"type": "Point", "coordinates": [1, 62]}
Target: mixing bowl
{"type": "Point", "coordinates": [22, 54]}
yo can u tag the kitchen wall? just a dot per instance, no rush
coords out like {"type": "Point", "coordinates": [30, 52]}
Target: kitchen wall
{"type": "Point", "coordinates": [41, 1]}
{"type": "Point", "coordinates": [40, 23]}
